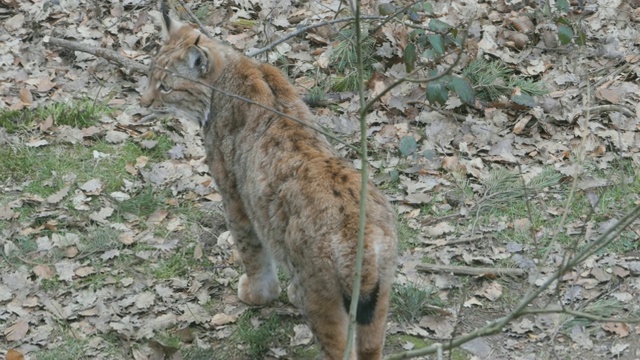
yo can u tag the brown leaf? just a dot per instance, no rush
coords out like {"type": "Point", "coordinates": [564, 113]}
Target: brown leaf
{"type": "Point", "coordinates": [44, 84]}
{"type": "Point", "coordinates": [14, 355]}
{"type": "Point", "coordinates": [92, 187]}
{"type": "Point", "coordinates": [14, 23]}
{"type": "Point", "coordinates": [491, 291]}
{"type": "Point", "coordinates": [47, 123]}
{"type": "Point", "coordinates": [102, 215]}
{"type": "Point", "coordinates": [126, 238]}
{"type": "Point", "coordinates": [85, 271]}
{"type": "Point", "coordinates": [220, 319]}
{"type": "Point", "coordinates": [620, 329]}
{"type": "Point", "coordinates": [7, 214]}
{"type": "Point", "coordinates": [17, 331]}
{"type": "Point", "coordinates": [70, 252]}
{"type": "Point", "coordinates": [197, 252]}
{"type": "Point", "coordinates": [157, 217]}
{"type": "Point", "coordinates": [58, 196]}
{"type": "Point", "coordinates": [43, 271]}
{"type": "Point", "coordinates": [610, 95]}
{"type": "Point", "coordinates": [26, 97]}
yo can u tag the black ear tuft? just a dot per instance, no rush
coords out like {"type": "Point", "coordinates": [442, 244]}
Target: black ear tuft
{"type": "Point", "coordinates": [165, 14]}
{"type": "Point", "coordinates": [197, 40]}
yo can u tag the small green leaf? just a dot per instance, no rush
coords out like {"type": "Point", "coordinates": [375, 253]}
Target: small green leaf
{"type": "Point", "coordinates": [428, 8]}
{"type": "Point", "coordinates": [410, 57]}
{"type": "Point", "coordinates": [413, 35]}
{"type": "Point", "coordinates": [387, 9]}
{"type": "Point", "coordinates": [524, 99]}
{"type": "Point", "coordinates": [463, 88]}
{"type": "Point", "coordinates": [407, 145]}
{"type": "Point", "coordinates": [413, 16]}
{"type": "Point", "coordinates": [562, 5]}
{"type": "Point", "coordinates": [565, 34]}
{"type": "Point", "coordinates": [439, 26]}
{"type": "Point", "coordinates": [582, 38]}
{"type": "Point", "coordinates": [437, 42]}
{"type": "Point", "coordinates": [437, 93]}
{"type": "Point", "coordinates": [394, 175]}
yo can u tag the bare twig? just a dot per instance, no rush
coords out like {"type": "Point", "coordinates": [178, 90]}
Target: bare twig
{"type": "Point", "coordinates": [579, 314]}
{"type": "Point", "coordinates": [611, 107]}
{"type": "Point", "coordinates": [470, 270]}
{"type": "Point", "coordinates": [110, 55]}
{"type": "Point", "coordinates": [364, 173]}
{"type": "Point", "coordinates": [307, 28]}
{"type": "Point", "coordinates": [194, 18]}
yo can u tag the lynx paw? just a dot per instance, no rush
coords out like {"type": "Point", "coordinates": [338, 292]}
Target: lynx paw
{"type": "Point", "coordinates": [294, 295]}
{"type": "Point", "coordinates": [257, 293]}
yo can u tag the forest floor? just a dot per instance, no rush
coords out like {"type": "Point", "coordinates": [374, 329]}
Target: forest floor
{"type": "Point", "coordinates": [112, 235]}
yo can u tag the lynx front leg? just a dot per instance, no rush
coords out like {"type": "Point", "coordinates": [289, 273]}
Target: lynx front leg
{"type": "Point", "coordinates": [259, 285]}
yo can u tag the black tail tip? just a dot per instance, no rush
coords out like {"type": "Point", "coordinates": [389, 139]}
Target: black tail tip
{"type": "Point", "coordinates": [366, 305]}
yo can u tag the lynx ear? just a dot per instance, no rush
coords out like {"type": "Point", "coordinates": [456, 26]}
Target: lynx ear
{"type": "Point", "coordinates": [197, 59]}
{"type": "Point", "coordinates": [169, 26]}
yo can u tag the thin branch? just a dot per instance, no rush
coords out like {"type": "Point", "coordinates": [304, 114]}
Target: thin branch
{"type": "Point", "coordinates": [364, 173]}
{"type": "Point", "coordinates": [107, 54]}
{"type": "Point", "coordinates": [470, 270]}
{"type": "Point", "coordinates": [194, 18]}
{"type": "Point", "coordinates": [307, 28]}
{"type": "Point", "coordinates": [579, 314]}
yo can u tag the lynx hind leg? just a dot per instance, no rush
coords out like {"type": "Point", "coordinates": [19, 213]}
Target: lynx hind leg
{"type": "Point", "coordinates": [259, 285]}
{"type": "Point", "coordinates": [329, 321]}
{"type": "Point", "coordinates": [370, 337]}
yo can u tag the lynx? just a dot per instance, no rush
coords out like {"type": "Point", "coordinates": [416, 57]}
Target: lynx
{"type": "Point", "coordinates": [287, 196]}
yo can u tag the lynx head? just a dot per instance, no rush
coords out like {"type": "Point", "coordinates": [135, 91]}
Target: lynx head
{"type": "Point", "coordinates": [180, 72]}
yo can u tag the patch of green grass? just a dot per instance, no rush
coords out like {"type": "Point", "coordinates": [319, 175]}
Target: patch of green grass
{"type": "Point", "coordinates": [52, 284]}
{"type": "Point", "coordinates": [409, 302]}
{"type": "Point", "coordinates": [80, 114]}
{"type": "Point", "coordinates": [179, 264]}
{"type": "Point", "coordinates": [259, 335]}
{"type": "Point", "coordinates": [16, 120]}
{"type": "Point", "coordinates": [71, 349]}
{"type": "Point", "coordinates": [406, 236]}
{"type": "Point", "coordinates": [143, 204]}
{"type": "Point", "coordinates": [344, 59]}
{"type": "Point", "coordinates": [604, 308]}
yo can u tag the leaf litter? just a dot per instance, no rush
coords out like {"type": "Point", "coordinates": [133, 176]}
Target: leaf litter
{"type": "Point", "coordinates": [444, 157]}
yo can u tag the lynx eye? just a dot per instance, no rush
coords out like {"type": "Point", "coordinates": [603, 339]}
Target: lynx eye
{"type": "Point", "coordinates": [164, 89]}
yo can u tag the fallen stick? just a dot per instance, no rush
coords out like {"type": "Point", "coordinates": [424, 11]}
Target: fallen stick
{"type": "Point", "coordinates": [109, 55]}
{"type": "Point", "coordinates": [469, 270]}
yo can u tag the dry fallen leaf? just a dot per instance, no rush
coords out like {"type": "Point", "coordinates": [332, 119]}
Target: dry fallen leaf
{"type": "Point", "coordinates": [220, 319]}
{"type": "Point", "coordinates": [302, 335]}
{"type": "Point", "coordinates": [620, 329]}
{"type": "Point", "coordinates": [14, 355]}
{"type": "Point", "coordinates": [491, 291]}
{"type": "Point", "coordinates": [58, 196]}
{"type": "Point", "coordinates": [17, 331]}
